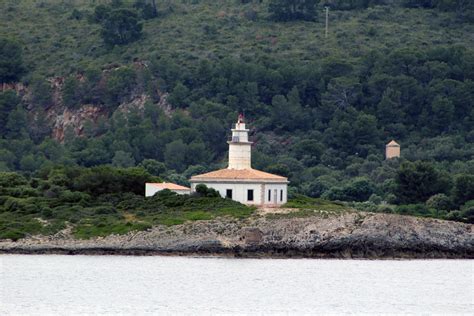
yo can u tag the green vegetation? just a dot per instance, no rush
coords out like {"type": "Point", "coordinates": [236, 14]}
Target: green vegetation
{"type": "Point", "coordinates": [11, 62]}
{"type": "Point", "coordinates": [169, 78]}
{"type": "Point", "coordinates": [304, 202]}
{"type": "Point", "coordinates": [97, 202]}
{"type": "Point", "coordinates": [119, 26]}
{"type": "Point", "coordinates": [285, 10]}
{"type": "Point", "coordinates": [308, 207]}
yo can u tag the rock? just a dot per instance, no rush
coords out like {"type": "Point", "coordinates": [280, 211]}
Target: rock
{"type": "Point", "coordinates": [252, 235]}
{"type": "Point", "coordinates": [351, 235]}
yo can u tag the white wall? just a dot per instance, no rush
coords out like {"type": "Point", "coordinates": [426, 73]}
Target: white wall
{"type": "Point", "coordinates": [151, 190]}
{"type": "Point", "coordinates": [239, 156]}
{"type": "Point", "coordinates": [278, 197]}
{"type": "Point", "coordinates": [239, 192]}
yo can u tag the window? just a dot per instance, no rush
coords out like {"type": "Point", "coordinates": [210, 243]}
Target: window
{"type": "Point", "coordinates": [228, 193]}
{"type": "Point", "coordinates": [269, 195]}
{"type": "Point", "coordinates": [281, 195]}
{"type": "Point", "coordinates": [249, 195]}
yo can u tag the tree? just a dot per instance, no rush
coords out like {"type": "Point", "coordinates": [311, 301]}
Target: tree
{"type": "Point", "coordinates": [11, 61]}
{"type": "Point", "coordinates": [290, 10]}
{"type": "Point", "coordinates": [41, 93]}
{"type": "Point", "coordinates": [419, 3]}
{"type": "Point", "coordinates": [317, 188]}
{"type": "Point", "coordinates": [123, 159]}
{"type": "Point", "coordinates": [418, 181]}
{"type": "Point", "coordinates": [178, 97]}
{"type": "Point", "coordinates": [30, 163]}
{"type": "Point", "coordinates": [101, 13]}
{"type": "Point", "coordinates": [106, 179]}
{"type": "Point", "coordinates": [461, 7]}
{"type": "Point", "coordinates": [389, 108]}
{"type": "Point", "coordinates": [148, 10]}
{"type": "Point", "coordinates": [287, 112]}
{"type": "Point", "coordinates": [443, 112]}
{"type": "Point", "coordinates": [343, 92]}
{"type": "Point", "coordinates": [121, 27]}
{"type": "Point", "coordinates": [463, 188]}
{"type": "Point", "coordinates": [153, 166]}
{"type": "Point", "coordinates": [17, 123]}
{"type": "Point", "coordinates": [359, 189]}
{"type": "Point", "coordinates": [120, 84]}
{"type": "Point", "coordinates": [8, 102]}
{"type": "Point", "coordinates": [212, 131]}
{"type": "Point", "coordinates": [308, 150]}
{"type": "Point", "coordinates": [175, 153]}
{"type": "Point", "coordinates": [8, 159]}
{"type": "Point", "coordinates": [70, 92]}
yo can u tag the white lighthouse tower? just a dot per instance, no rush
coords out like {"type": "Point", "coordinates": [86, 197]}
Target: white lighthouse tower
{"type": "Point", "coordinates": [240, 147]}
{"type": "Point", "coordinates": [239, 181]}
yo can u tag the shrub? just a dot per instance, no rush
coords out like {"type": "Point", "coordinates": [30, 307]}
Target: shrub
{"type": "Point", "coordinates": [439, 202]}
{"type": "Point", "coordinates": [374, 198]}
{"type": "Point", "coordinates": [203, 190]}
{"type": "Point", "coordinates": [101, 210]}
{"type": "Point", "coordinates": [412, 209]}
{"type": "Point", "coordinates": [467, 212]}
{"type": "Point", "coordinates": [11, 179]}
{"type": "Point", "coordinates": [73, 197]}
{"type": "Point", "coordinates": [120, 27]}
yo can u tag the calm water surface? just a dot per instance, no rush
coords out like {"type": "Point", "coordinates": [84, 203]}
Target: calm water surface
{"type": "Point", "coordinates": [67, 285]}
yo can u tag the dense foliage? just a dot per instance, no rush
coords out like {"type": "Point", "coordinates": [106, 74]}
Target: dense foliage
{"type": "Point", "coordinates": [97, 202]}
{"type": "Point", "coordinates": [320, 109]}
{"type": "Point", "coordinates": [11, 62]}
{"type": "Point", "coordinates": [290, 10]}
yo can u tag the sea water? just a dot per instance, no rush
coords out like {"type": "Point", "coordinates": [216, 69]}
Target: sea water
{"type": "Point", "coordinates": [126, 285]}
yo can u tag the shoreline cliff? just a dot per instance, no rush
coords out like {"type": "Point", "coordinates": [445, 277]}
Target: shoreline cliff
{"type": "Point", "coordinates": [349, 235]}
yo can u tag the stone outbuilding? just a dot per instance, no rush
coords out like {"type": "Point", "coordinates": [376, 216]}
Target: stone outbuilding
{"type": "Point", "coordinates": [152, 188]}
{"type": "Point", "coordinates": [239, 181]}
{"type": "Point", "coordinates": [392, 150]}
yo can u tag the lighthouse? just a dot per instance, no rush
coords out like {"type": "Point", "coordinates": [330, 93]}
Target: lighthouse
{"type": "Point", "coordinates": [239, 181]}
{"type": "Point", "coordinates": [240, 153]}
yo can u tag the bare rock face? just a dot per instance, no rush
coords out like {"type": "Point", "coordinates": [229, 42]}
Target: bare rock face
{"type": "Point", "coordinates": [251, 235]}
{"type": "Point", "coordinates": [60, 118]}
{"type": "Point", "coordinates": [350, 235]}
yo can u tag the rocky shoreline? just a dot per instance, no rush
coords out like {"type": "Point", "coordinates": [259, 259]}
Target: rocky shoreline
{"type": "Point", "coordinates": [344, 236]}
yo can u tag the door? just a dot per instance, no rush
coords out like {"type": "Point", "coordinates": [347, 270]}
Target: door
{"type": "Point", "coordinates": [275, 196]}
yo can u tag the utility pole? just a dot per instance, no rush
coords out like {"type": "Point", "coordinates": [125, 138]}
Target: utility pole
{"type": "Point", "coordinates": [327, 22]}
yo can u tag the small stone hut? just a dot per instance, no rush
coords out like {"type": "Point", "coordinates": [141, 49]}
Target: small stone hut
{"type": "Point", "coordinates": [392, 150]}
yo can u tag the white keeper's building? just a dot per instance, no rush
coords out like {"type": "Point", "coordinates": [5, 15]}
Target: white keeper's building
{"type": "Point", "coordinates": [239, 181]}
{"type": "Point", "coordinates": [152, 188]}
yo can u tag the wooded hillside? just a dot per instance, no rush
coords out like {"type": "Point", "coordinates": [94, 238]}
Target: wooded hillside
{"type": "Point", "coordinates": [90, 83]}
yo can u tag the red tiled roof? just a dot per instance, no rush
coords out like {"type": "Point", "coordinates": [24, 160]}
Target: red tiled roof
{"type": "Point", "coordinates": [393, 143]}
{"type": "Point", "coordinates": [169, 186]}
{"type": "Point", "coordinates": [236, 175]}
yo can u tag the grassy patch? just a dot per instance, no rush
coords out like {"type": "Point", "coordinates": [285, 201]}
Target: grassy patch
{"type": "Point", "coordinates": [304, 202]}
{"type": "Point", "coordinates": [306, 207]}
